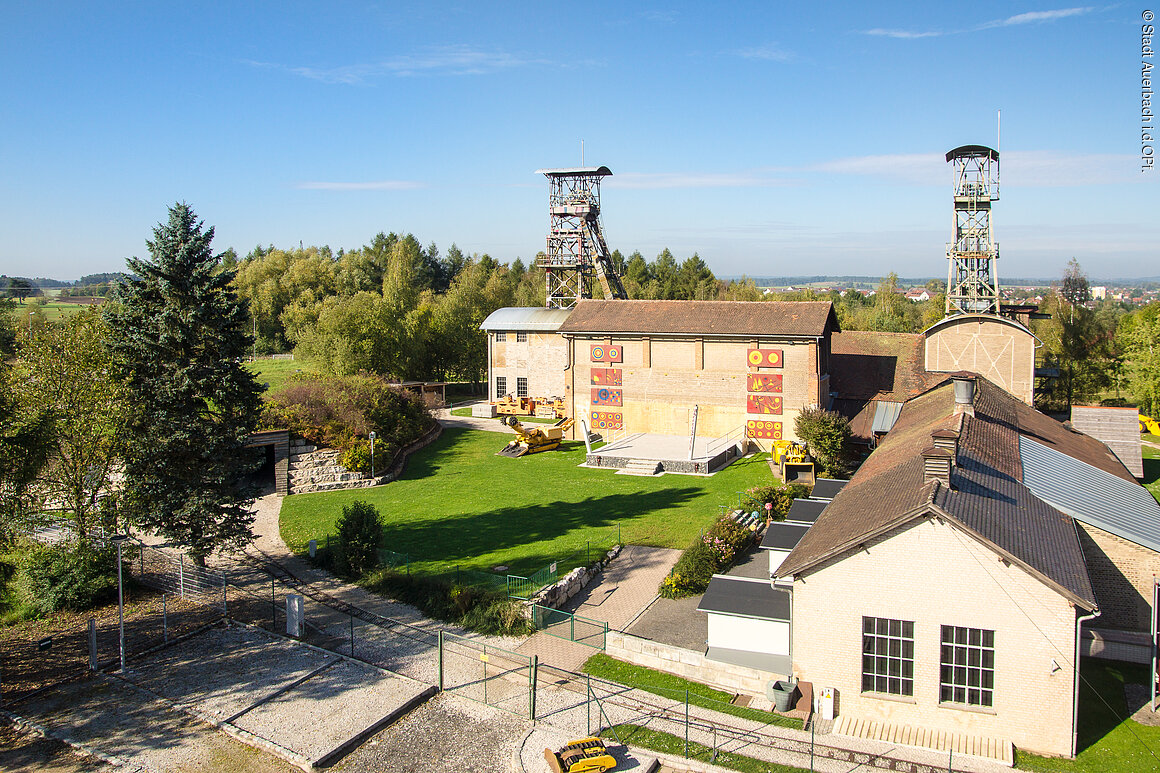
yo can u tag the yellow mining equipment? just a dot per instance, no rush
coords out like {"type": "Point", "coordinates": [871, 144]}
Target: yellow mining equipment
{"type": "Point", "coordinates": [793, 461]}
{"type": "Point", "coordinates": [585, 755]}
{"type": "Point", "coordinates": [1148, 424]}
{"type": "Point", "coordinates": [545, 407]}
{"type": "Point", "coordinates": [531, 439]}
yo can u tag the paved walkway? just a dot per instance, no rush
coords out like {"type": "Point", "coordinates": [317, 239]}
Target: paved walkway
{"type": "Point", "coordinates": [616, 597]}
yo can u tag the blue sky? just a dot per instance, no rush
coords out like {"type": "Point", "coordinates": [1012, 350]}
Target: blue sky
{"type": "Point", "coordinates": [770, 139]}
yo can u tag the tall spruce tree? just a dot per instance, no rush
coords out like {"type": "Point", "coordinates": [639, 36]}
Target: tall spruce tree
{"type": "Point", "coordinates": [178, 335]}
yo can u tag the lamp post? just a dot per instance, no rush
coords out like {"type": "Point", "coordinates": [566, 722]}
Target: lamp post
{"type": "Point", "coordinates": [118, 539]}
{"type": "Point", "coordinates": [372, 454]}
{"type": "Point", "coordinates": [31, 314]}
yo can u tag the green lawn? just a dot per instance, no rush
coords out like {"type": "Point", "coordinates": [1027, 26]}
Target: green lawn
{"type": "Point", "coordinates": [460, 504]}
{"type": "Point", "coordinates": [1152, 470]}
{"type": "Point", "coordinates": [276, 372]}
{"type": "Point", "coordinates": [643, 737]}
{"type": "Point", "coordinates": [1109, 742]}
{"type": "Point", "coordinates": [673, 687]}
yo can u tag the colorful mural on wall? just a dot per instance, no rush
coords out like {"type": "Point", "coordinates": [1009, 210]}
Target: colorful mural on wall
{"type": "Point", "coordinates": [602, 353]}
{"type": "Point", "coordinates": [607, 420]}
{"type": "Point", "coordinates": [604, 396]}
{"type": "Point", "coordinates": [763, 430]}
{"type": "Point", "coordinates": [763, 382]}
{"type": "Point", "coordinates": [610, 376]}
{"type": "Point", "coordinates": [763, 404]}
{"type": "Point", "coordinates": [765, 358]}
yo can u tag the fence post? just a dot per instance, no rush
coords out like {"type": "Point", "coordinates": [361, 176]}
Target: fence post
{"type": "Point", "coordinates": [686, 723]}
{"type": "Point", "coordinates": [588, 552]}
{"type": "Point", "coordinates": [534, 670]}
{"type": "Point", "coordinates": [225, 609]}
{"type": "Point", "coordinates": [181, 576]}
{"type": "Point", "coordinates": [164, 619]}
{"type": "Point", "coordinates": [440, 660]}
{"type": "Point", "coordinates": [142, 560]}
{"type": "Point", "coordinates": [92, 644]}
{"type": "Point", "coordinates": [588, 701]}
{"type": "Point", "coordinates": [484, 659]}
{"type": "Point", "coordinates": [273, 606]}
{"type": "Point", "coordinates": [352, 634]}
{"type": "Point", "coordinates": [572, 627]}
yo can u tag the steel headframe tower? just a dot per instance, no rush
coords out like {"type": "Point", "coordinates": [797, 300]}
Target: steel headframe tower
{"type": "Point", "coordinates": [576, 247]}
{"type": "Point", "coordinates": [972, 278]}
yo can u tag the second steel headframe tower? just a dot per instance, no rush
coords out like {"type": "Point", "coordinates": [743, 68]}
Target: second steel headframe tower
{"type": "Point", "coordinates": [576, 248]}
{"type": "Point", "coordinates": [972, 277]}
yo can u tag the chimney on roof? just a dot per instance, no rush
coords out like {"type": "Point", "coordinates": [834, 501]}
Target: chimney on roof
{"type": "Point", "coordinates": [936, 465]}
{"type": "Point", "coordinates": [964, 394]}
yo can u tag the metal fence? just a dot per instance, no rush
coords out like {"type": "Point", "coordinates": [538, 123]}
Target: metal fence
{"type": "Point", "coordinates": [570, 626]}
{"type": "Point", "coordinates": [487, 674]}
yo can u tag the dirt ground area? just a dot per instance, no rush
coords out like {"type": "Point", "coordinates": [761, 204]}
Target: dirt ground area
{"type": "Point", "coordinates": [26, 752]}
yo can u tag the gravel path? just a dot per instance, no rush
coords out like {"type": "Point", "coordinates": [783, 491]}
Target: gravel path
{"type": "Point", "coordinates": [28, 752]}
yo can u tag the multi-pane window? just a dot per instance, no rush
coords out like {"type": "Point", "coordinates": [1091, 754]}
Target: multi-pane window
{"type": "Point", "coordinates": [500, 337]}
{"type": "Point", "coordinates": [521, 387]}
{"type": "Point", "coordinates": [968, 666]}
{"type": "Point", "coordinates": [521, 336]}
{"type": "Point", "coordinates": [887, 656]}
{"type": "Point", "coordinates": [500, 386]}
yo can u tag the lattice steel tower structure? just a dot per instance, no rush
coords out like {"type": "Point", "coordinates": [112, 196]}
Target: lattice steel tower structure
{"type": "Point", "coordinates": [576, 248]}
{"type": "Point", "coordinates": [972, 277]}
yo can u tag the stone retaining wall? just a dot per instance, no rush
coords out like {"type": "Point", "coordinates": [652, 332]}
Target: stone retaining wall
{"type": "Point", "coordinates": [687, 663]}
{"type": "Point", "coordinates": [557, 595]}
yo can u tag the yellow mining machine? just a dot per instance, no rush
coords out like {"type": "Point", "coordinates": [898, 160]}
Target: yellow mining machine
{"type": "Point", "coordinates": [585, 755]}
{"type": "Point", "coordinates": [533, 440]}
{"type": "Point", "coordinates": [794, 463]}
{"type": "Point", "coordinates": [547, 407]}
{"type": "Point", "coordinates": [1148, 424]}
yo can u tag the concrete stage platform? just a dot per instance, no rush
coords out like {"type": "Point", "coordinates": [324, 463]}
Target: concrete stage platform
{"type": "Point", "coordinates": [646, 454]}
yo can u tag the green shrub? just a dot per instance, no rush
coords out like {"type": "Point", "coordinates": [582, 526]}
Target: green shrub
{"type": "Point", "coordinates": [712, 553]}
{"type": "Point", "coordinates": [357, 456]}
{"type": "Point", "coordinates": [476, 609]}
{"type": "Point", "coordinates": [827, 434]}
{"type": "Point", "coordinates": [72, 575]}
{"type": "Point", "coordinates": [779, 494]}
{"type": "Point", "coordinates": [360, 530]}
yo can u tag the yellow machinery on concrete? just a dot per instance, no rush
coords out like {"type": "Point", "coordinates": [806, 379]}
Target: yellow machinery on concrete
{"type": "Point", "coordinates": [585, 755]}
{"type": "Point", "coordinates": [533, 440]}
{"type": "Point", "coordinates": [548, 407]}
{"type": "Point", "coordinates": [1148, 424]}
{"type": "Point", "coordinates": [793, 461]}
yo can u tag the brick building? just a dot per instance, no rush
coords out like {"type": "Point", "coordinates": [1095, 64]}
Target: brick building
{"type": "Point", "coordinates": [525, 355]}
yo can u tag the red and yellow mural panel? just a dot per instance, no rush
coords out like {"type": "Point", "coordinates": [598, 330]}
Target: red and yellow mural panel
{"type": "Point", "coordinates": [602, 353]}
{"type": "Point", "coordinates": [764, 430]}
{"type": "Point", "coordinates": [763, 382]}
{"type": "Point", "coordinates": [764, 358]}
{"type": "Point", "coordinates": [603, 396]}
{"type": "Point", "coordinates": [607, 420]}
{"type": "Point", "coordinates": [763, 404]}
{"type": "Point", "coordinates": [609, 376]}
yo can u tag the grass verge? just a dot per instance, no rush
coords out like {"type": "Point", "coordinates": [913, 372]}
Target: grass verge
{"type": "Point", "coordinates": [644, 738]}
{"type": "Point", "coordinates": [276, 373]}
{"type": "Point", "coordinates": [674, 687]}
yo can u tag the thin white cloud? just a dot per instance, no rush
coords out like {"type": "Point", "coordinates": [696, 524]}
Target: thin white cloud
{"type": "Point", "coordinates": [769, 53]}
{"type": "Point", "coordinates": [375, 185]}
{"type": "Point", "coordinates": [1021, 168]}
{"type": "Point", "coordinates": [1030, 17]}
{"type": "Point", "coordinates": [663, 180]}
{"type": "Point", "coordinates": [438, 61]}
{"type": "Point", "coordinates": [1033, 17]}
{"type": "Point", "coordinates": [902, 34]}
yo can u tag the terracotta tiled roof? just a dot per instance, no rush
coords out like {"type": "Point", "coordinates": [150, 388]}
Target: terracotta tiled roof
{"type": "Point", "coordinates": [725, 318]}
{"type": "Point", "coordinates": [986, 496]}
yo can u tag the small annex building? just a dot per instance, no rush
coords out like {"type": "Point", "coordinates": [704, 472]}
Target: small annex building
{"type": "Point", "coordinates": [526, 356]}
{"type": "Point", "coordinates": [951, 584]}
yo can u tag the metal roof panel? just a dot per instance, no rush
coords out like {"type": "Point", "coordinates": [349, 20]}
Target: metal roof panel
{"type": "Point", "coordinates": [525, 318]}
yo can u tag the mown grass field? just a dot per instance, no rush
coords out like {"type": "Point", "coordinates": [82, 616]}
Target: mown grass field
{"type": "Point", "coordinates": [1152, 469]}
{"type": "Point", "coordinates": [460, 504]}
{"type": "Point", "coordinates": [276, 372]}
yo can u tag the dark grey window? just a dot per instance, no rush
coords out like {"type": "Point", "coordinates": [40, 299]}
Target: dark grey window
{"type": "Point", "coordinates": [521, 387]}
{"type": "Point", "coordinates": [500, 386]}
{"type": "Point", "coordinates": [887, 656]}
{"type": "Point", "coordinates": [967, 674]}
{"type": "Point", "coordinates": [500, 337]}
{"type": "Point", "coordinates": [521, 337]}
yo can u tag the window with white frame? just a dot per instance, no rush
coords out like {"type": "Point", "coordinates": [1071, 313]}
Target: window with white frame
{"type": "Point", "coordinates": [500, 386]}
{"type": "Point", "coordinates": [968, 666]}
{"type": "Point", "coordinates": [500, 336]}
{"type": "Point", "coordinates": [521, 336]}
{"type": "Point", "coordinates": [521, 387]}
{"type": "Point", "coordinates": [887, 656]}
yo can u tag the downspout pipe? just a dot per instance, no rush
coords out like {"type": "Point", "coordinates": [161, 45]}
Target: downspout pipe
{"type": "Point", "coordinates": [1075, 696]}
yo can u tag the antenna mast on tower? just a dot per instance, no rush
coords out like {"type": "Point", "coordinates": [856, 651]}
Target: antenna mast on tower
{"type": "Point", "coordinates": [972, 277]}
{"type": "Point", "coordinates": [576, 248]}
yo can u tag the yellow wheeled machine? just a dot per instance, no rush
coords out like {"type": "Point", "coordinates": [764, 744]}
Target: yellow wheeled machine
{"type": "Point", "coordinates": [793, 461]}
{"type": "Point", "coordinates": [532, 439]}
{"type": "Point", "coordinates": [585, 755]}
{"type": "Point", "coordinates": [1148, 424]}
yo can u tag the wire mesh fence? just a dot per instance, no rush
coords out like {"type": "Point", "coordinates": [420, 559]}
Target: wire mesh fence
{"type": "Point", "coordinates": [569, 626]}
{"type": "Point", "coordinates": [487, 674]}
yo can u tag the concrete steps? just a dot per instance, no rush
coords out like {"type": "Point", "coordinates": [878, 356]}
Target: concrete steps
{"type": "Point", "coordinates": [647, 467]}
{"type": "Point", "coordinates": [997, 749]}
{"type": "Point", "coordinates": [312, 469]}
